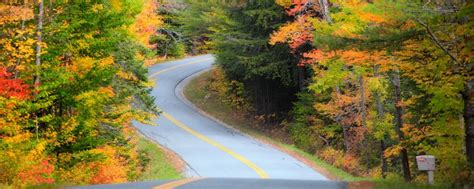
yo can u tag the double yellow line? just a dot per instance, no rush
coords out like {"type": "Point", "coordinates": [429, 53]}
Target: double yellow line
{"type": "Point", "coordinates": [237, 156]}
{"type": "Point", "coordinates": [260, 172]}
{"type": "Point", "coordinates": [174, 184]}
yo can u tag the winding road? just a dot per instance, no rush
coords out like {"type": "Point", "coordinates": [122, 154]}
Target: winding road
{"type": "Point", "coordinates": [215, 154]}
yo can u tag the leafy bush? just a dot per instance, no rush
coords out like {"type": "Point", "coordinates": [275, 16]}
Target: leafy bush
{"type": "Point", "coordinates": [232, 91]}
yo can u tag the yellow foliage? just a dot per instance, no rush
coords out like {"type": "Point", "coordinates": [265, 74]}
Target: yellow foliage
{"type": "Point", "coordinates": [346, 30]}
{"type": "Point", "coordinates": [97, 7]}
{"type": "Point", "coordinates": [108, 91]}
{"type": "Point", "coordinates": [284, 3]}
{"type": "Point", "coordinates": [10, 13]}
{"type": "Point", "coordinates": [81, 65]}
{"type": "Point", "coordinates": [369, 17]}
{"type": "Point", "coordinates": [126, 75]}
{"type": "Point", "coordinates": [349, 3]}
{"type": "Point", "coordinates": [80, 173]}
{"type": "Point", "coordinates": [146, 23]}
{"type": "Point", "coordinates": [152, 61]}
{"type": "Point", "coordinates": [19, 138]}
{"type": "Point", "coordinates": [24, 155]}
{"type": "Point", "coordinates": [112, 169]}
{"type": "Point", "coordinates": [82, 44]}
{"type": "Point", "coordinates": [392, 151]}
{"type": "Point", "coordinates": [116, 5]}
{"type": "Point", "coordinates": [106, 62]}
{"type": "Point", "coordinates": [17, 47]}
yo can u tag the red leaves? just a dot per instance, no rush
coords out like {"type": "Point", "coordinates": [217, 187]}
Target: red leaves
{"type": "Point", "coordinates": [113, 173]}
{"type": "Point", "coordinates": [38, 174]}
{"type": "Point", "coordinates": [300, 7]}
{"type": "Point", "coordinates": [10, 87]}
{"type": "Point", "coordinates": [299, 31]}
{"type": "Point", "coordinates": [112, 170]}
{"type": "Point", "coordinates": [312, 56]}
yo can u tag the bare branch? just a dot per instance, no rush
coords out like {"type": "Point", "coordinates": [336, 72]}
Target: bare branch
{"type": "Point", "coordinates": [426, 4]}
{"type": "Point", "coordinates": [436, 40]}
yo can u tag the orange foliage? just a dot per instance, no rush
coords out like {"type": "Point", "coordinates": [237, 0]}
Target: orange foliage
{"type": "Point", "coordinates": [38, 174]}
{"type": "Point", "coordinates": [146, 23]}
{"type": "Point", "coordinates": [332, 156]}
{"type": "Point", "coordinates": [112, 170]}
{"type": "Point", "coordinates": [351, 163]}
{"type": "Point", "coordinates": [295, 33]}
{"type": "Point", "coordinates": [369, 17]}
{"type": "Point", "coordinates": [338, 158]}
{"type": "Point", "coordinates": [350, 57]}
{"type": "Point", "coordinates": [314, 55]}
{"type": "Point", "coordinates": [9, 13]}
{"type": "Point", "coordinates": [344, 108]}
{"type": "Point", "coordinates": [319, 56]}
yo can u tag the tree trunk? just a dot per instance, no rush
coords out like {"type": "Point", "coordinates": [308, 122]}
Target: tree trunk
{"type": "Point", "coordinates": [399, 125]}
{"type": "Point", "coordinates": [363, 110]}
{"type": "Point", "coordinates": [380, 115]}
{"type": "Point", "coordinates": [267, 99]}
{"type": "Point", "coordinates": [325, 10]}
{"type": "Point", "coordinates": [39, 30]}
{"type": "Point", "coordinates": [382, 157]}
{"type": "Point", "coordinates": [345, 128]}
{"type": "Point", "coordinates": [468, 115]}
{"type": "Point", "coordinates": [345, 133]}
{"type": "Point", "coordinates": [301, 78]}
{"type": "Point", "coordinates": [18, 61]}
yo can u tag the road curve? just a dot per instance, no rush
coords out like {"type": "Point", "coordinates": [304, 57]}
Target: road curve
{"type": "Point", "coordinates": [208, 148]}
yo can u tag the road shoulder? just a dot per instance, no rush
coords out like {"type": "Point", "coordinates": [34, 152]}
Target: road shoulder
{"type": "Point", "coordinates": [186, 91]}
{"type": "Point", "coordinates": [161, 163]}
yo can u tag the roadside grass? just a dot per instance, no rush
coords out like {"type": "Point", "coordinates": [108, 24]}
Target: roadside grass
{"type": "Point", "coordinates": [158, 165]}
{"type": "Point", "coordinates": [338, 173]}
{"type": "Point", "coordinates": [197, 94]}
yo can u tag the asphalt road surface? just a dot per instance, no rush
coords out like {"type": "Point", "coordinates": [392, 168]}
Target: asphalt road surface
{"type": "Point", "coordinates": [224, 157]}
{"type": "Point", "coordinates": [233, 183]}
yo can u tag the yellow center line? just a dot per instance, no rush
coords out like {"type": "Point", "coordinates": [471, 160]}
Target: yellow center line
{"type": "Point", "coordinates": [237, 156]}
{"type": "Point", "coordinates": [260, 172]}
{"type": "Point", "coordinates": [174, 184]}
{"type": "Point", "coordinates": [178, 66]}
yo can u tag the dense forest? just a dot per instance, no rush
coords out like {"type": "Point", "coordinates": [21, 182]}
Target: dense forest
{"type": "Point", "coordinates": [72, 77]}
{"type": "Point", "coordinates": [365, 85]}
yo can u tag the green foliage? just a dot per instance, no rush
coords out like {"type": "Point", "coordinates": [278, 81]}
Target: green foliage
{"type": "Point", "coordinates": [361, 51]}
{"type": "Point", "coordinates": [355, 60]}
{"type": "Point", "coordinates": [169, 48]}
{"type": "Point", "coordinates": [238, 34]}
{"type": "Point", "coordinates": [232, 92]}
{"type": "Point", "coordinates": [74, 128]}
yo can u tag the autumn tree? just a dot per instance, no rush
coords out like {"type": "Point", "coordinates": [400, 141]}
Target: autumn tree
{"type": "Point", "coordinates": [369, 53]}
{"type": "Point", "coordinates": [72, 80]}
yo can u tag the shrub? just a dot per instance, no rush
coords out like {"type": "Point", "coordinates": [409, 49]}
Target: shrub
{"type": "Point", "coordinates": [233, 92]}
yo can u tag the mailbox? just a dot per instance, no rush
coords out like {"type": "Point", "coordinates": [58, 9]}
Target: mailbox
{"type": "Point", "coordinates": [425, 162]}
